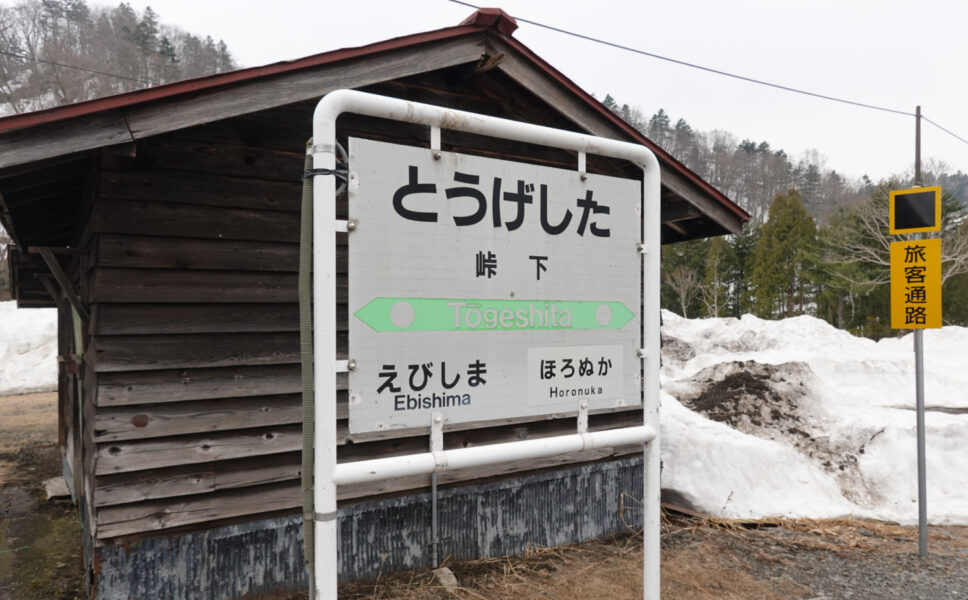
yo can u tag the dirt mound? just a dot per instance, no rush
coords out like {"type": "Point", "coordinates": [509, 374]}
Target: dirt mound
{"type": "Point", "coordinates": [779, 403]}
{"type": "Point", "coordinates": [674, 348]}
{"type": "Point", "coordinates": [752, 397]}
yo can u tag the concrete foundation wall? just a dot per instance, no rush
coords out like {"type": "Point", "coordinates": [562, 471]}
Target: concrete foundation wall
{"type": "Point", "coordinates": [485, 520]}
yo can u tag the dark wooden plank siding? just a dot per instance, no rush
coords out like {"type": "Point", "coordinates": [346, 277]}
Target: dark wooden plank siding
{"type": "Point", "coordinates": [206, 189]}
{"type": "Point", "coordinates": [157, 285]}
{"type": "Point", "coordinates": [203, 478]}
{"type": "Point", "coordinates": [142, 455]}
{"type": "Point", "coordinates": [145, 352]}
{"type": "Point", "coordinates": [180, 418]}
{"type": "Point", "coordinates": [195, 220]}
{"type": "Point", "coordinates": [195, 326]}
{"type": "Point", "coordinates": [195, 332]}
{"type": "Point", "coordinates": [143, 387]}
{"type": "Point", "coordinates": [177, 318]}
{"type": "Point", "coordinates": [174, 512]}
{"type": "Point", "coordinates": [179, 253]}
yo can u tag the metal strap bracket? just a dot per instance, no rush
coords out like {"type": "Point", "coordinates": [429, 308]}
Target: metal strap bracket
{"type": "Point", "coordinates": [583, 416]}
{"type": "Point", "coordinates": [437, 440]}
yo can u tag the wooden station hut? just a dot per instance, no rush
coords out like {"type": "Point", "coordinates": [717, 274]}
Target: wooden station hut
{"type": "Point", "coordinates": [163, 225]}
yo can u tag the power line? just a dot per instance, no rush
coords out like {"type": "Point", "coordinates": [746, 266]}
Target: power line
{"type": "Point", "coordinates": [948, 131]}
{"type": "Point", "coordinates": [723, 73]}
{"type": "Point", "coordinates": [75, 67]}
{"type": "Point", "coordinates": [590, 39]}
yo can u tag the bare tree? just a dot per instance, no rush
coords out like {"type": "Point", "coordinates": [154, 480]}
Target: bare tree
{"type": "Point", "coordinates": [5, 242]}
{"type": "Point", "coordinates": [686, 284]}
{"type": "Point", "coordinates": [715, 286]}
{"type": "Point", "coordinates": [856, 250]}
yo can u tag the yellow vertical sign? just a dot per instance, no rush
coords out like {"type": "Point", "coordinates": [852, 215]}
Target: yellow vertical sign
{"type": "Point", "coordinates": [916, 284]}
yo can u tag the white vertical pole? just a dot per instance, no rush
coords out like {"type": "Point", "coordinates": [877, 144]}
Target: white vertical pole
{"type": "Point", "coordinates": [324, 348]}
{"type": "Point", "coordinates": [651, 512]}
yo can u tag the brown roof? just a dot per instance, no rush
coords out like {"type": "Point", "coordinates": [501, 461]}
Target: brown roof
{"type": "Point", "coordinates": [209, 82]}
{"type": "Point", "coordinates": [490, 20]}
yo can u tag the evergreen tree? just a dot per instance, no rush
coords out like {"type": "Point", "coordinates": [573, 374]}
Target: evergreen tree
{"type": "Point", "coordinates": [954, 300]}
{"type": "Point", "coordinates": [739, 266]}
{"type": "Point", "coordinates": [659, 130]}
{"type": "Point", "coordinates": [781, 281]}
{"type": "Point", "coordinates": [686, 147]}
{"type": "Point", "coordinates": [169, 60]}
{"type": "Point", "coordinates": [610, 103]}
{"type": "Point", "coordinates": [809, 182]}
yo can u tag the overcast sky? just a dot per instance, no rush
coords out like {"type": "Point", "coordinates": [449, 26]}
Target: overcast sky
{"type": "Point", "coordinates": [892, 53]}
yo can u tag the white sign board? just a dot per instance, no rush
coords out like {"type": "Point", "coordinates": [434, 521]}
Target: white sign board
{"type": "Point", "coordinates": [485, 289]}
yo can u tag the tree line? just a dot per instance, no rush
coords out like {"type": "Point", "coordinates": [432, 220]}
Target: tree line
{"type": "Point", "coordinates": [817, 243]}
{"type": "Point", "coordinates": [55, 52]}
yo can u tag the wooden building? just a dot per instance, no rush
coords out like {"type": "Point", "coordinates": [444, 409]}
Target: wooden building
{"type": "Point", "coordinates": [163, 224]}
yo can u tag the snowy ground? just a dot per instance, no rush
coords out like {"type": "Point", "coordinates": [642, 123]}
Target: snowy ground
{"type": "Point", "coordinates": [28, 349]}
{"type": "Point", "coordinates": [759, 418]}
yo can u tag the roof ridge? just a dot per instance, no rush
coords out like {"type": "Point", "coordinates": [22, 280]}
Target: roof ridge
{"type": "Point", "coordinates": [492, 18]}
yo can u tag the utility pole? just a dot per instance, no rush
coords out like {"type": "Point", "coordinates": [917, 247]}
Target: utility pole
{"type": "Point", "coordinates": [919, 377]}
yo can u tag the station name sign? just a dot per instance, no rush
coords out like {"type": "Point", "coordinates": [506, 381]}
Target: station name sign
{"type": "Point", "coordinates": [486, 289]}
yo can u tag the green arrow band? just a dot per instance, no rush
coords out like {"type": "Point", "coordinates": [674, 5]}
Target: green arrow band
{"type": "Point", "coordinates": [453, 314]}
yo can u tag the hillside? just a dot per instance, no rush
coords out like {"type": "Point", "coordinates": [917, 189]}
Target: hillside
{"type": "Point", "coordinates": [55, 52]}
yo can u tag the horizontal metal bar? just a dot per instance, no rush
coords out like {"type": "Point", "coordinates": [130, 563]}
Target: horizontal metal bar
{"type": "Point", "coordinates": [379, 469]}
{"type": "Point", "coordinates": [340, 101]}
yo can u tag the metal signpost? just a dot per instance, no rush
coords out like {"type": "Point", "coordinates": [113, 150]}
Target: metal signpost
{"type": "Point", "coordinates": [482, 290]}
{"type": "Point", "coordinates": [916, 301]}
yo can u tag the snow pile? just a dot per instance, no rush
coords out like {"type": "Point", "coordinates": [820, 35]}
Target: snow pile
{"type": "Point", "coordinates": [759, 418]}
{"type": "Point", "coordinates": [797, 418]}
{"type": "Point", "coordinates": [28, 349]}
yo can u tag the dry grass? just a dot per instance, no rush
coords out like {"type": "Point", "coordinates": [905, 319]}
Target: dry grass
{"type": "Point", "coordinates": [708, 571]}
{"type": "Point", "coordinates": [25, 420]}
{"type": "Point", "coordinates": [702, 559]}
{"type": "Point", "coordinates": [609, 569]}
{"type": "Point", "coordinates": [593, 570]}
{"type": "Point", "coordinates": [29, 418]}
{"type": "Point", "coordinates": [40, 542]}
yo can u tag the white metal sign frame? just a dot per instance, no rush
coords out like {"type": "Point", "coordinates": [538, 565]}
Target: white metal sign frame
{"type": "Point", "coordinates": [327, 473]}
{"type": "Point", "coordinates": [440, 290]}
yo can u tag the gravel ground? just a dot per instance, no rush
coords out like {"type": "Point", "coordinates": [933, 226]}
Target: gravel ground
{"type": "Point", "coordinates": [847, 559]}
{"type": "Point", "coordinates": [706, 559]}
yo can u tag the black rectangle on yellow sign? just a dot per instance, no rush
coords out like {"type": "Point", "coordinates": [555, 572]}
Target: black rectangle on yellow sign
{"type": "Point", "coordinates": [917, 210]}
{"type": "Point", "coordinates": [916, 284]}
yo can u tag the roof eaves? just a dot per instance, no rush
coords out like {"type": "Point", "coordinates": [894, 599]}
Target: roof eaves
{"type": "Point", "coordinates": [492, 21]}
{"type": "Point", "coordinates": [633, 132]}
{"type": "Point", "coordinates": [210, 82]}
